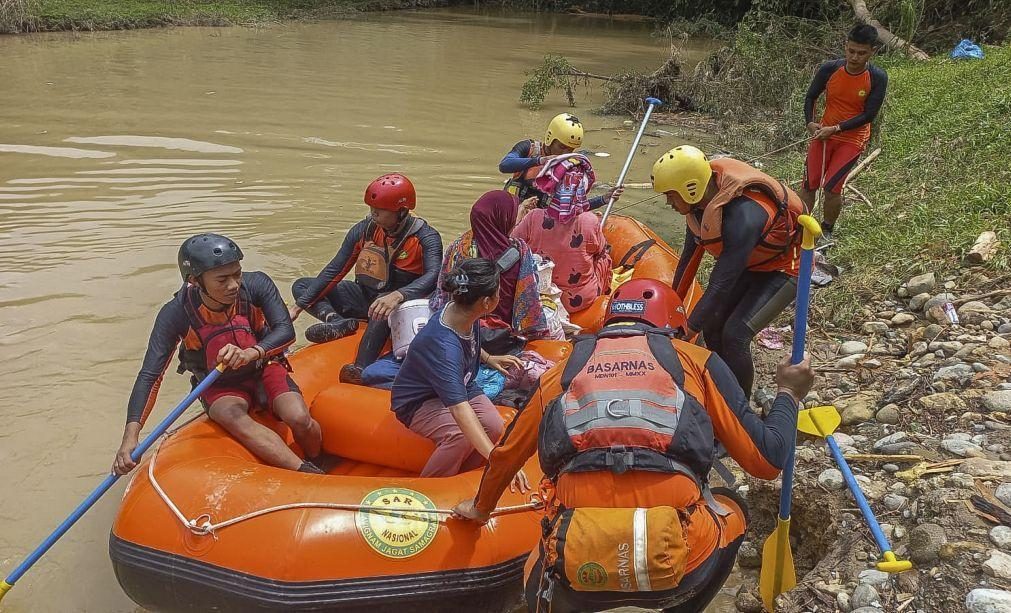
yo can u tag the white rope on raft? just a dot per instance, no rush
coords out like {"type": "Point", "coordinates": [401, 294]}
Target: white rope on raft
{"type": "Point", "coordinates": [203, 526]}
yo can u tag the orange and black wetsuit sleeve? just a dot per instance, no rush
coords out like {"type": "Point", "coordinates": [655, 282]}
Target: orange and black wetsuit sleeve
{"type": "Point", "coordinates": [518, 443]}
{"type": "Point", "coordinates": [279, 332]}
{"type": "Point", "coordinates": [338, 267]}
{"type": "Point", "coordinates": [169, 328]}
{"type": "Point", "coordinates": [760, 447]}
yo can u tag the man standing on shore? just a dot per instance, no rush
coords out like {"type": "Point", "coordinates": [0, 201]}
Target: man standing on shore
{"type": "Point", "coordinates": [854, 90]}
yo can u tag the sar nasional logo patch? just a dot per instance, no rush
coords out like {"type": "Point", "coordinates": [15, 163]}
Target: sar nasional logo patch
{"type": "Point", "coordinates": [591, 574]}
{"type": "Point", "coordinates": [397, 534]}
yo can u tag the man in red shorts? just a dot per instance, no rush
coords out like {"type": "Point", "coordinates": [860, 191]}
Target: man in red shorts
{"type": "Point", "coordinates": [854, 90]}
{"type": "Point", "coordinates": [224, 315]}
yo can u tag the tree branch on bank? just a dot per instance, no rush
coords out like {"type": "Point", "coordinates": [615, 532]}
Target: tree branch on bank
{"type": "Point", "coordinates": [890, 40]}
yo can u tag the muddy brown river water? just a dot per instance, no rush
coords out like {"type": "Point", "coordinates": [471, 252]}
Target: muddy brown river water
{"type": "Point", "coordinates": [114, 147]}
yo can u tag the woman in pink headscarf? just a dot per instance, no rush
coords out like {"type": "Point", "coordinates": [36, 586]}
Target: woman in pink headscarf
{"type": "Point", "coordinates": [492, 218]}
{"type": "Point", "coordinates": [568, 233]}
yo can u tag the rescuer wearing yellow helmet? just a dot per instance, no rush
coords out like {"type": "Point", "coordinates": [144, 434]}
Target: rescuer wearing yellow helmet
{"type": "Point", "coordinates": [747, 220]}
{"type": "Point", "coordinates": [527, 157]}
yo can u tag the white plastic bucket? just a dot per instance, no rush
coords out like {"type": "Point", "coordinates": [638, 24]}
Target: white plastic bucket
{"type": "Point", "coordinates": [405, 322]}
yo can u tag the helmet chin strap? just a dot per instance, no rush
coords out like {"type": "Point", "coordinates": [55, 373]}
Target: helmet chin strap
{"type": "Point", "coordinates": [208, 299]}
{"type": "Point", "coordinates": [405, 214]}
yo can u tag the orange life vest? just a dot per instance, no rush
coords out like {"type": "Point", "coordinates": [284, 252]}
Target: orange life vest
{"type": "Point", "coordinates": [778, 248]}
{"type": "Point", "coordinates": [378, 255]}
{"type": "Point", "coordinates": [624, 407]}
{"type": "Point", "coordinates": [199, 350]}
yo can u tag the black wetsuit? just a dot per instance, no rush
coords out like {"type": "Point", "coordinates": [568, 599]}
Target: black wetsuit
{"type": "Point", "coordinates": [414, 276]}
{"type": "Point", "coordinates": [271, 325]}
{"type": "Point", "coordinates": [518, 160]}
{"type": "Point", "coordinates": [737, 302]}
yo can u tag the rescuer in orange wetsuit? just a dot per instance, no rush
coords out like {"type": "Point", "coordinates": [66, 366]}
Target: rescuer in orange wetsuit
{"type": "Point", "coordinates": [625, 430]}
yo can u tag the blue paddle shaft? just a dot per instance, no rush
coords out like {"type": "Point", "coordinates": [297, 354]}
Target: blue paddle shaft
{"type": "Point", "coordinates": [799, 338]}
{"type": "Point", "coordinates": [803, 302]}
{"type": "Point", "coordinates": [111, 479]}
{"type": "Point", "coordinates": [858, 494]}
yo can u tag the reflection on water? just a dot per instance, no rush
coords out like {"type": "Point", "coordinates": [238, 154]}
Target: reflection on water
{"type": "Point", "coordinates": [117, 146]}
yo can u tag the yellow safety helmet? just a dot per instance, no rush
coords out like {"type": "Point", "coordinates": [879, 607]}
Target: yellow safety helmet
{"type": "Point", "coordinates": [684, 170]}
{"type": "Point", "coordinates": [565, 128]}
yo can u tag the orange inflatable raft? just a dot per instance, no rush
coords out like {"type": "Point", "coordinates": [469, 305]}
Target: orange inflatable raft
{"type": "Point", "coordinates": [205, 526]}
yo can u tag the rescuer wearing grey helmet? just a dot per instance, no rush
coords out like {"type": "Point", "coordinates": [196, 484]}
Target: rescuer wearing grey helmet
{"type": "Point", "coordinates": [224, 315]}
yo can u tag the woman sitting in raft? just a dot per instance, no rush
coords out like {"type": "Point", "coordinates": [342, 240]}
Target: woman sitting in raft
{"type": "Point", "coordinates": [435, 393]}
{"type": "Point", "coordinates": [568, 233]}
{"type": "Point", "coordinates": [492, 218]}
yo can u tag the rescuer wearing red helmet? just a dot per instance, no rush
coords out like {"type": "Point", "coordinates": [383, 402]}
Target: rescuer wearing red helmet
{"type": "Point", "coordinates": [625, 429]}
{"type": "Point", "coordinates": [396, 257]}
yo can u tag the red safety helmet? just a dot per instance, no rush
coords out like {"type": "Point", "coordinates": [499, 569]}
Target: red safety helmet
{"type": "Point", "coordinates": [391, 192]}
{"type": "Point", "coordinates": [647, 300]}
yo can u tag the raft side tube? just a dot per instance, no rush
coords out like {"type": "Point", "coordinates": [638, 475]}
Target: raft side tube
{"type": "Point", "coordinates": [197, 586]}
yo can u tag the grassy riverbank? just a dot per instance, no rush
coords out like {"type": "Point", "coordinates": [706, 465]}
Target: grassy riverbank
{"type": "Point", "coordinates": [50, 15]}
{"type": "Point", "coordinates": [944, 176]}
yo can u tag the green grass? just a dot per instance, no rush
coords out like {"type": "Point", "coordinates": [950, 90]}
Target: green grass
{"type": "Point", "coordinates": [124, 14]}
{"type": "Point", "coordinates": [944, 176]}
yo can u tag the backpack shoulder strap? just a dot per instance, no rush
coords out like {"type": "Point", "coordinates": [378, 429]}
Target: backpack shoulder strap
{"type": "Point", "coordinates": [659, 342]}
{"type": "Point", "coordinates": [582, 349]}
{"type": "Point", "coordinates": [192, 310]}
{"type": "Point", "coordinates": [416, 225]}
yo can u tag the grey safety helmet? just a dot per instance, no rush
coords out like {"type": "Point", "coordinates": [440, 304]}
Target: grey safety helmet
{"type": "Point", "coordinates": [203, 252]}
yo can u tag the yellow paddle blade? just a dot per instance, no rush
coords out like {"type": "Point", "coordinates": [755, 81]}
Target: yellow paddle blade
{"type": "Point", "coordinates": [819, 421]}
{"type": "Point", "coordinates": [619, 276]}
{"type": "Point", "coordinates": [777, 575]}
{"type": "Point", "coordinates": [4, 588]}
{"type": "Point", "coordinates": [891, 564]}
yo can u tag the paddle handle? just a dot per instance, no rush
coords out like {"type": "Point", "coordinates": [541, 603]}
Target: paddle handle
{"type": "Point", "coordinates": [811, 232]}
{"type": "Point", "coordinates": [858, 494]}
{"type": "Point", "coordinates": [651, 103]}
{"type": "Point", "coordinates": [108, 482]}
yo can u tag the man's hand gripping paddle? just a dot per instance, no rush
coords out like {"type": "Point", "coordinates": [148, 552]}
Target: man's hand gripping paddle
{"type": "Point", "coordinates": [778, 575]}
{"type": "Point", "coordinates": [822, 422]}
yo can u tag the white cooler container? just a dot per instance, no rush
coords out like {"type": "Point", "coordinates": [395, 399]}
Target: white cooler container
{"type": "Point", "coordinates": [405, 322]}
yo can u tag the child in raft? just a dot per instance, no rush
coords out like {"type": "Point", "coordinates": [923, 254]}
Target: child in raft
{"type": "Point", "coordinates": [568, 233]}
{"type": "Point", "coordinates": [435, 393]}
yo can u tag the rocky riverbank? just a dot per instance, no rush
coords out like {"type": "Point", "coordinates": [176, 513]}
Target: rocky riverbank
{"type": "Point", "coordinates": [926, 420]}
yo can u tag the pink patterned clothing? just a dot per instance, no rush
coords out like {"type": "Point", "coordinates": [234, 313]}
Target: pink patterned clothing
{"type": "Point", "coordinates": [578, 249]}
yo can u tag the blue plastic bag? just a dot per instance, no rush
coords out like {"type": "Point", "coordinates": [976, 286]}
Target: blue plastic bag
{"type": "Point", "coordinates": [491, 382]}
{"type": "Point", "coordinates": [966, 50]}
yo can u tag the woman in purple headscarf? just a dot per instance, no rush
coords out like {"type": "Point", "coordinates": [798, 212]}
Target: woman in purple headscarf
{"type": "Point", "coordinates": [492, 218]}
